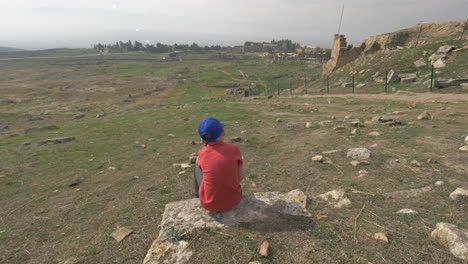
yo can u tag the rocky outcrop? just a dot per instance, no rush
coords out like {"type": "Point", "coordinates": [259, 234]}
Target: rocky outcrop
{"type": "Point", "coordinates": [180, 218]}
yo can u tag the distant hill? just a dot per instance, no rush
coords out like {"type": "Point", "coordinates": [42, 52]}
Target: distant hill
{"type": "Point", "coordinates": [8, 49]}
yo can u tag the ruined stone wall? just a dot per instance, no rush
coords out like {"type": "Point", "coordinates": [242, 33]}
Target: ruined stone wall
{"type": "Point", "coordinates": [340, 55]}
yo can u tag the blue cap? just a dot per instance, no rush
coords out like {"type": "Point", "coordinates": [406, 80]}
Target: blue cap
{"type": "Point", "coordinates": [210, 126]}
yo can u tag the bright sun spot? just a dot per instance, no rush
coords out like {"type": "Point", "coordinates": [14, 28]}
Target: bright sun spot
{"type": "Point", "coordinates": [114, 6]}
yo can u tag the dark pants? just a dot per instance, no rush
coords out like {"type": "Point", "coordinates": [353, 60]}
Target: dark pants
{"type": "Point", "coordinates": [198, 177]}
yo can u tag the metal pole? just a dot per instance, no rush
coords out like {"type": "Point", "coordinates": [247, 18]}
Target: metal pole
{"type": "Point", "coordinates": [386, 80]}
{"type": "Point", "coordinates": [290, 88]}
{"type": "Point", "coordinates": [305, 85]}
{"type": "Point", "coordinates": [328, 85]}
{"type": "Point", "coordinates": [353, 83]}
{"type": "Point", "coordinates": [432, 76]}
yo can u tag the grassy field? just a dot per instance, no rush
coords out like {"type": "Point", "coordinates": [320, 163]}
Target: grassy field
{"type": "Point", "coordinates": [62, 202]}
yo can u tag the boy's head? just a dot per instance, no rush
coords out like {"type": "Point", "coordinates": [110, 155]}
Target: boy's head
{"type": "Point", "coordinates": [210, 129]}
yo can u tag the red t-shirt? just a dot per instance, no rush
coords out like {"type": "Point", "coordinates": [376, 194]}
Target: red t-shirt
{"type": "Point", "coordinates": [220, 189]}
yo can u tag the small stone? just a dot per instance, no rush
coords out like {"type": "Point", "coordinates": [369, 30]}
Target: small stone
{"type": "Point", "coordinates": [309, 125]}
{"type": "Point", "coordinates": [193, 158]}
{"type": "Point", "coordinates": [359, 153]}
{"type": "Point", "coordinates": [78, 116]}
{"type": "Point", "coordinates": [439, 183]}
{"type": "Point", "coordinates": [317, 158]}
{"type": "Point", "coordinates": [185, 166]}
{"type": "Point", "coordinates": [356, 163]}
{"type": "Point", "coordinates": [415, 163]}
{"type": "Point", "coordinates": [327, 161]}
{"type": "Point", "coordinates": [136, 177]}
{"type": "Point", "coordinates": [102, 114]}
{"type": "Point", "coordinates": [171, 135]}
{"type": "Point", "coordinates": [264, 249]}
{"type": "Point", "coordinates": [355, 131]}
{"type": "Point", "coordinates": [111, 168]}
{"type": "Point", "coordinates": [77, 189]}
{"type": "Point", "coordinates": [425, 116]}
{"type": "Point", "coordinates": [362, 173]}
{"type": "Point", "coordinates": [55, 141]}
{"type": "Point", "coordinates": [121, 233]}
{"type": "Point", "coordinates": [236, 139]}
{"type": "Point", "coordinates": [143, 145]}
{"type": "Point", "coordinates": [337, 198]}
{"type": "Point", "coordinates": [328, 152]}
{"type": "Point", "coordinates": [439, 64]}
{"type": "Point", "coordinates": [375, 145]}
{"type": "Point", "coordinates": [407, 211]}
{"type": "Point", "coordinates": [464, 148]}
{"type": "Point", "coordinates": [381, 237]}
{"type": "Point", "coordinates": [181, 172]}
{"type": "Point", "coordinates": [356, 124]}
{"type": "Point", "coordinates": [375, 134]}
{"type": "Point", "coordinates": [279, 121]}
{"type": "Point", "coordinates": [466, 140]}
{"type": "Point", "coordinates": [340, 129]}
{"type": "Point", "coordinates": [26, 143]}
{"type": "Point", "coordinates": [420, 63]}
{"type": "Point", "coordinates": [459, 194]}
{"type": "Point", "coordinates": [348, 117]}
{"type": "Point", "coordinates": [299, 197]}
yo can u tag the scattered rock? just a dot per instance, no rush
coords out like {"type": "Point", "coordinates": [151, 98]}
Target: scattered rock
{"type": "Point", "coordinates": [78, 116]}
{"type": "Point", "coordinates": [55, 141]}
{"type": "Point", "coordinates": [445, 49]}
{"type": "Point", "coordinates": [318, 158]}
{"type": "Point", "coordinates": [171, 135]}
{"type": "Point", "coordinates": [74, 183]}
{"type": "Point", "coordinates": [328, 152]}
{"type": "Point", "coordinates": [362, 72]}
{"type": "Point", "coordinates": [362, 173]}
{"type": "Point", "coordinates": [264, 249]}
{"type": "Point", "coordinates": [381, 237]}
{"type": "Point", "coordinates": [181, 172]}
{"type": "Point", "coordinates": [356, 163]}
{"type": "Point", "coordinates": [466, 140]}
{"type": "Point", "coordinates": [425, 116]}
{"type": "Point", "coordinates": [299, 197]}
{"type": "Point", "coordinates": [439, 64]}
{"type": "Point", "coordinates": [183, 166]}
{"type": "Point", "coordinates": [389, 120]}
{"type": "Point", "coordinates": [407, 211]}
{"type": "Point", "coordinates": [27, 143]}
{"type": "Point", "coordinates": [121, 233]}
{"type": "Point", "coordinates": [357, 124]}
{"type": "Point", "coordinates": [450, 82]}
{"type": "Point", "coordinates": [347, 84]}
{"type": "Point", "coordinates": [439, 183]}
{"type": "Point", "coordinates": [464, 148]}
{"type": "Point", "coordinates": [44, 128]}
{"type": "Point", "coordinates": [309, 125]}
{"type": "Point", "coordinates": [337, 198]}
{"type": "Point", "coordinates": [355, 131]}
{"type": "Point", "coordinates": [236, 139]}
{"type": "Point", "coordinates": [193, 143]}
{"type": "Point", "coordinates": [408, 80]}
{"type": "Point", "coordinates": [375, 134]}
{"type": "Point", "coordinates": [405, 93]}
{"type": "Point", "coordinates": [408, 193]}
{"type": "Point", "coordinates": [340, 129]}
{"type": "Point", "coordinates": [459, 194]}
{"type": "Point", "coordinates": [359, 153]}
{"type": "Point", "coordinates": [420, 63]}
{"type": "Point", "coordinates": [360, 85]}
{"type": "Point", "coordinates": [102, 114]}
{"type": "Point", "coordinates": [415, 163]}
{"type": "Point", "coordinates": [279, 121]}
{"type": "Point", "coordinates": [453, 238]}
{"type": "Point", "coordinates": [193, 158]}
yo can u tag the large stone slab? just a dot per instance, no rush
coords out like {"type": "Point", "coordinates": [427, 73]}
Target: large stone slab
{"type": "Point", "coordinates": [186, 216]}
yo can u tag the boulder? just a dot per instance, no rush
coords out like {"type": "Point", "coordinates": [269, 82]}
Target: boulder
{"type": "Point", "coordinates": [359, 153]}
{"type": "Point", "coordinates": [453, 238]}
{"type": "Point", "coordinates": [459, 194]}
{"type": "Point", "coordinates": [439, 64]}
{"type": "Point", "coordinates": [445, 49]}
{"type": "Point", "coordinates": [336, 198]}
{"type": "Point", "coordinates": [347, 84]}
{"type": "Point", "coordinates": [450, 82]}
{"type": "Point", "coordinates": [183, 217]}
{"type": "Point", "coordinates": [420, 63]}
{"type": "Point", "coordinates": [425, 116]}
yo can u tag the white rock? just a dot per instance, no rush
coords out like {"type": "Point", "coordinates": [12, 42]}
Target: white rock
{"type": "Point", "coordinates": [375, 134]}
{"type": "Point", "coordinates": [317, 158]}
{"type": "Point", "coordinates": [309, 125]}
{"type": "Point", "coordinates": [407, 211]}
{"type": "Point", "coordinates": [464, 148]}
{"type": "Point", "coordinates": [452, 237]}
{"type": "Point", "coordinates": [337, 198]}
{"type": "Point", "coordinates": [459, 194]}
{"type": "Point", "coordinates": [381, 236]}
{"type": "Point", "coordinates": [439, 64]}
{"type": "Point", "coordinates": [439, 183]}
{"type": "Point", "coordinates": [359, 153]}
{"type": "Point", "coordinates": [466, 140]}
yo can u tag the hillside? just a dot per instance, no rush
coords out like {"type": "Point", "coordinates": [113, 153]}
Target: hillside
{"type": "Point", "coordinates": [8, 49]}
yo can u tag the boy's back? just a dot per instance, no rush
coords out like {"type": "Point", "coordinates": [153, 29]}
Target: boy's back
{"type": "Point", "coordinates": [220, 189]}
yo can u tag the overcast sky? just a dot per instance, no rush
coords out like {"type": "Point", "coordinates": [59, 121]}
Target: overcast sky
{"type": "Point", "coordinates": [38, 24]}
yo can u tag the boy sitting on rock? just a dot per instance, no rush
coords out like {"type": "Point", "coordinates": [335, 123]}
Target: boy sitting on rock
{"type": "Point", "coordinates": [219, 169]}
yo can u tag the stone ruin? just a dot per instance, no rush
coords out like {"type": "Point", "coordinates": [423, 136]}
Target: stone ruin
{"type": "Point", "coordinates": [341, 55]}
